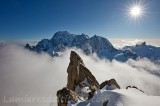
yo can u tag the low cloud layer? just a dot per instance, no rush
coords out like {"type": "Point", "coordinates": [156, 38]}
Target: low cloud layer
{"type": "Point", "coordinates": [26, 74]}
{"type": "Point", "coordinates": [120, 43]}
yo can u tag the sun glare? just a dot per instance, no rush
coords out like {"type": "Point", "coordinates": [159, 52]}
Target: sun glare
{"type": "Point", "coordinates": [136, 10]}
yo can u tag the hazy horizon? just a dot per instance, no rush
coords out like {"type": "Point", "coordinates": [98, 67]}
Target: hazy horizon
{"type": "Point", "coordinates": [117, 43]}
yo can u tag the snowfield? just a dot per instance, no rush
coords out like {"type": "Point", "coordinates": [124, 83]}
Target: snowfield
{"type": "Point", "coordinates": [121, 97]}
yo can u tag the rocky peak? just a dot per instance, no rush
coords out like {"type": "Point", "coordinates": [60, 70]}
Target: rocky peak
{"type": "Point", "coordinates": [81, 84]}
{"type": "Point", "coordinates": [62, 38]}
{"type": "Point", "coordinates": [100, 44]}
{"type": "Point", "coordinates": [110, 84]}
{"type": "Point", "coordinates": [27, 46]}
{"type": "Point", "coordinates": [75, 59]}
{"type": "Point", "coordinates": [79, 75]}
{"type": "Point", "coordinates": [61, 33]}
{"type": "Point", "coordinates": [141, 44]}
{"type": "Point", "coordinates": [84, 35]}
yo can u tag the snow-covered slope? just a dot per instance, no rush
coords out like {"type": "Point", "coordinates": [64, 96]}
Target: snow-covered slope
{"type": "Point", "coordinates": [147, 51]}
{"type": "Point", "coordinates": [120, 97]}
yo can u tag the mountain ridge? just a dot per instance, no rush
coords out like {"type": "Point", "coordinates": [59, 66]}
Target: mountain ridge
{"type": "Point", "coordinates": [101, 46]}
{"type": "Point", "coordinates": [63, 39]}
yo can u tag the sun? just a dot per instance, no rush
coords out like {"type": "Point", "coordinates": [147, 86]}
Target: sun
{"type": "Point", "coordinates": [136, 11]}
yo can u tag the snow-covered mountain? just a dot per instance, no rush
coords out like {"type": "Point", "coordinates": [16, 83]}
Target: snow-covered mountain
{"type": "Point", "coordinates": [145, 51]}
{"type": "Point", "coordinates": [63, 39]}
{"type": "Point", "coordinates": [95, 44]}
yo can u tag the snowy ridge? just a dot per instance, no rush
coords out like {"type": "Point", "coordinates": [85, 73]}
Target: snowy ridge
{"type": "Point", "coordinates": [95, 44]}
{"type": "Point", "coordinates": [120, 97]}
{"type": "Point", "coordinates": [63, 39]}
{"type": "Point", "coordinates": [145, 51]}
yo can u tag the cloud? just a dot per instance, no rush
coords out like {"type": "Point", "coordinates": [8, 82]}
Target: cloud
{"type": "Point", "coordinates": [126, 74]}
{"type": "Point", "coordinates": [26, 74]}
{"type": "Point", "coordinates": [132, 42]}
{"type": "Point", "coordinates": [120, 43]}
{"type": "Point", "coordinates": [146, 65]}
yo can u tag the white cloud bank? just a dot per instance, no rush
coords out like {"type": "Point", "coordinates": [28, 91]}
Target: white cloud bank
{"type": "Point", "coordinates": [120, 43]}
{"type": "Point", "coordinates": [27, 74]}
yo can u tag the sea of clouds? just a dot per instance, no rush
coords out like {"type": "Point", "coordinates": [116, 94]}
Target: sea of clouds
{"type": "Point", "coordinates": [120, 43]}
{"type": "Point", "coordinates": [25, 74]}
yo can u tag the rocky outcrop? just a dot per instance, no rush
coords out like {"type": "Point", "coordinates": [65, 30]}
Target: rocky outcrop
{"type": "Point", "coordinates": [77, 73]}
{"type": "Point", "coordinates": [27, 46]}
{"type": "Point", "coordinates": [134, 88]}
{"type": "Point", "coordinates": [111, 84]}
{"type": "Point", "coordinates": [105, 103]}
{"type": "Point", "coordinates": [129, 54]}
{"type": "Point", "coordinates": [141, 44]}
{"type": "Point", "coordinates": [79, 76]}
{"type": "Point", "coordinates": [81, 83]}
{"type": "Point", "coordinates": [64, 95]}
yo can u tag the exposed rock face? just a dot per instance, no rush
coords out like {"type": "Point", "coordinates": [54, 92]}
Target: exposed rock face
{"type": "Point", "coordinates": [79, 75]}
{"type": "Point", "coordinates": [81, 84]}
{"type": "Point", "coordinates": [134, 88]}
{"type": "Point", "coordinates": [141, 44]}
{"type": "Point", "coordinates": [110, 84]}
{"type": "Point", "coordinates": [105, 103]}
{"type": "Point", "coordinates": [64, 95]}
{"type": "Point", "coordinates": [27, 46]}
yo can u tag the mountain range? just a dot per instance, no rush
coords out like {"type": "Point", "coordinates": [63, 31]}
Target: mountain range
{"type": "Point", "coordinates": [101, 46]}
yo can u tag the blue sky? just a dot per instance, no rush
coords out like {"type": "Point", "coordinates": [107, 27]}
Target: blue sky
{"type": "Point", "coordinates": [36, 19]}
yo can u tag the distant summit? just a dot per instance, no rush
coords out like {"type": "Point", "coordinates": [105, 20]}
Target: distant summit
{"type": "Point", "coordinates": [63, 39]}
{"type": "Point", "coordinates": [95, 44]}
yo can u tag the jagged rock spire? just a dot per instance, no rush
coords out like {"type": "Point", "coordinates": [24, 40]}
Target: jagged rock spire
{"type": "Point", "coordinates": [80, 78]}
{"type": "Point", "coordinates": [77, 73]}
